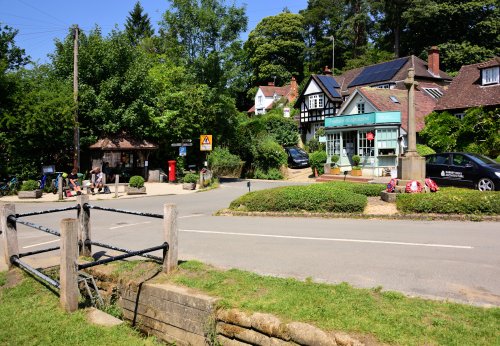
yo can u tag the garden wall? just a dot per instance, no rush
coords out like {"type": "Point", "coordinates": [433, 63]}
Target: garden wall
{"type": "Point", "coordinates": [185, 317]}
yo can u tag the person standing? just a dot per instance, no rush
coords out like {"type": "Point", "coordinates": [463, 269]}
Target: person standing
{"type": "Point", "coordinates": [97, 181]}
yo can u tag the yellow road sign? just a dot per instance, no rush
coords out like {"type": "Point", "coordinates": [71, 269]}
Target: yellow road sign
{"type": "Point", "coordinates": [205, 142]}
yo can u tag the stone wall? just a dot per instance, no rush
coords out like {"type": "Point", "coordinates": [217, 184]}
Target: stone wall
{"type": "Point", "coordinates": [182, 316]}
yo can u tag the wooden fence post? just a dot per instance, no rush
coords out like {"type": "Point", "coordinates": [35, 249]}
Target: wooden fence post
{"type": "Point", "coordinates": [84, 226]}
{"type": "Point", "coordinates": [60, 187]}
{"type": "Point", "coordinates": [69, 292]}
{"type": "Point", "coordinates": [171, 236]}
{"type": "Point", "coordinates": [9, 233]}
{"type": "Point", "coordinates": [117, 180]}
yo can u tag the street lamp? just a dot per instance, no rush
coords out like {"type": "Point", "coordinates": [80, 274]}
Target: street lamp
{"type": "Point", "coordinates": [333, 52]}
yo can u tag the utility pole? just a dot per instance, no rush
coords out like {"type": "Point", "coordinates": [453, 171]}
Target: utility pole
{"type": "Point", "coordinates": [332, 38]}
{"type": "Point", "coordinates": [76, 129]}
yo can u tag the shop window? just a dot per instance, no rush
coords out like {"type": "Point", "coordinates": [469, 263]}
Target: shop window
{"type": "Point", "coordinates": [333, 144]}
{"type": "Point", "coordinates": [366, 148]}
{"type": "Point", "coordinates": [387, 142]}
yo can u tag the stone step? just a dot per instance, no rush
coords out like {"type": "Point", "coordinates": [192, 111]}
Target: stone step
{"type": "Point", "coordinates": [340, 177]}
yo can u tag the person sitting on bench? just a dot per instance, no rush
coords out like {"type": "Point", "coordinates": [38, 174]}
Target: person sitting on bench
{"type": "Point", "coordinates": [97, 181]}
{"type": "Point", "coordinates": [74, 184]}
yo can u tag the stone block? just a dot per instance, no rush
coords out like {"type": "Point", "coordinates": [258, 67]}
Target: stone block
{"type": "Point", "coordinates": [269, 325]}
{"type": "Point", "coordinates": [346, 340]}
{"type": "Point", "coordinates": [243, 334]}
{"type": "Point", "coordinates": [235, 316]}
{"type": "Point", "coordinates": [230, 342]}
{"type": "Point", "coordinates": [29, 194]}
{"type": "Point", "coordinates": [305, 334]}
{"type": "Point", "coordinates": [411, 168]}
{"type": "Point", "coordinates": [388, 196]}
{"type": "Point", "coordinates": [181, 295]}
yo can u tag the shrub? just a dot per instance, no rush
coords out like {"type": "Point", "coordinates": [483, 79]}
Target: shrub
{"type": "Point", "coordinates": [314, 145]}
{"type": "Point", "coordinates": [269, 154]}
{"type": "Point", "coordinates": [335, 158]}
{"type": "Point", "coordinates": [271, 174]}
{"type": "Point", "coordinates": [355, 160]}
{"type": "Point", "coordinates": [370, 190]}
{"type": "Point", "coordinates": [311, 198]}
{"type": "Point", "coordinates": [317, 161]}
{"type": "Point", "coordinates": [30, 185]}
{"type": "Point", "coordinates": [190, 178]}
{"type": "Point", "coordinates": [136, 181]}
{"type": "Point", "coordinates": [450, 201]}
{"type": "Point", "coordinates": [423, 150]}
{"type": "Point", "coordinates": [223, 163]}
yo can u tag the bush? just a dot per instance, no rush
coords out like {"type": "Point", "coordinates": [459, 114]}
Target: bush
{"type": "Point", "coordinates": [271, 174]}
{"type": "Point", "coordinates": [335, 158]}
{"type": "Point", "coordinates": [450, 201]}
{"type": "Point", "coordinates": [356, 160]}
{"type": "Point", "coordinates": [223, 163]}
{"type": "Point", "coordinates": [317, 161]}
{"type": "Point", "coordinates": [190, 178]}
{"type": "Point", "coordinates": [30, 185]}
{"type": "Point", "coordinates": [423, 150]}
{"type": "Point", "coordinates": [370, 190]}
{"type": "Point", "coordinates": [269, 154]}
{"type": "Point", "coordinates": [311, 198]}
{"type": "Point", "coordinates": [136, 181]}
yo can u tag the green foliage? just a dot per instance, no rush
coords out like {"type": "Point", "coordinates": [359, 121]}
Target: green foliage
{"type": "Point", "coordinates": [276, 49]}
{"type": "Point", "coordinates": [334, 159]}
{"type": "Point", "coordinates": [311, 198]}
{"type": "Point", "coordinates": [269, 154]}
{"type": "Point", "coordinates": [314, 145]}
{"type": "Point", "coordinates": [356, 160]}
{"type": "Point", "coordinates": [450, 201]}
{"type": "Point", "coordinates": [223, 163]}
{"type": "Point", "coordinates": [136, 181]}
{"type": "Point", "coordinates": [423, 150]}
{"type": "Point", "coordinates": [29, 185]}
{"type": "Point", "coordinates": [283, 130]}
{"type": "Point", "coordinates": [440, 131]}
{"type": "Point", "coordinates": [138, 26]}
{"type": "Point", "coordinates": [369, 190]}
{"type": "Point", "coordinates": [270, 174]}
{"type": "Point", "coordinates": [317, 161]}
{"type": "Point", "coordinates": [190, 178]}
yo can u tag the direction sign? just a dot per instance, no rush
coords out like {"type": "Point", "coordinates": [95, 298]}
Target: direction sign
{"type": "Point", "coordinates": [181, 144]}
{"type": "Point", "coordinates": [182, 151]}
{"type": "Point", "coordinates": [205, 142]}
{"type": "Point", "coordinates": [176, 144]}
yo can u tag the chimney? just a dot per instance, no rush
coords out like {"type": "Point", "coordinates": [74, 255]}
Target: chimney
{"type": "Point", "coordinates": [294, 89]}
{"type": "Point", "coordinates": [270, 83]}
{"type": "Point", "coordinates": [433, 61]}
{"type": "Point", "coordinates": [326, 70]}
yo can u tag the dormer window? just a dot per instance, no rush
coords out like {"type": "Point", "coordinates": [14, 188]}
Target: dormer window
{"type": "Point", "coordinates": [361, 108]}
{"type": "Point", "coordinates": [490, 75]}
{"type": "Point", "coordinates": [434, 92]}
{"type": "Point", "coordinates": [315, 101]}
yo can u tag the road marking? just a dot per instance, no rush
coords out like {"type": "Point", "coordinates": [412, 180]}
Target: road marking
{"type": "Point", "coordinates": [192, 215]}
{"type": "Point", "coordinates": [130, 224]}
{"type": "Point", "coordinates": [35, 245]}
{"type": "Point", "coordinates": [330, 239]}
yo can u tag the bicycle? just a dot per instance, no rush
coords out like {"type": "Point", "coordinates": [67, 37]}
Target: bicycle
{"type": "Point", "coordinates": [54, 186]}
{"type": "Point", "coordinates": [9, 187]}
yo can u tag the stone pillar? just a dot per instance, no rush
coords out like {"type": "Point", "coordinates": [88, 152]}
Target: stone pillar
{"type": "Point", "coordinates": [411, 166]}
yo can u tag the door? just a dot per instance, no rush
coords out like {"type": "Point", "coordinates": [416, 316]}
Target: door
{"type": "Point", "coordinates": [436, 167]}
{"type": "Point", "coordinates": [462, 170]}
{"type": "Point", "coordinates": [349, 147]}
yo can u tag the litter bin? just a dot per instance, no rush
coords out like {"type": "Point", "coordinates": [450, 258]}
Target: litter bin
{"type": "Point", "coordinates": [171, 170]}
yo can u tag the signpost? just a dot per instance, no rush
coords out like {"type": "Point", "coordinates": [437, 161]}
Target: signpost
{"type": "Point", "coordinates": [206, 143]}
{"type": "Point", "coordinates": [370, 136]}
{"type": "Point", "coordinates": [182, 151]}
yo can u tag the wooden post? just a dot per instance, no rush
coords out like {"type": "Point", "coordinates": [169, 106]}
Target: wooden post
{"type": "Point", "coordinates": [59, 187]}
{"type": "Point", "coordinates": [84, 226]}
{"type": "Point", "coordinates": [69, 260]}
{"type": "Point", "coordinates": [171, 236]}
{"type": "Point", "coordinates": [117, 180]}
{"type": "Point", "coordinates": [9, 233]}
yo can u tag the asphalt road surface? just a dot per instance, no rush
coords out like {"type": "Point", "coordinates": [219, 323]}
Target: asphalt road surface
{"type": "Point", "coordinates": [459, 261]}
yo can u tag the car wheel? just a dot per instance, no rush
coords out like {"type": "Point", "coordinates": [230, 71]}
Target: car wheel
{"type": "Point", "coordinates": [485, 184]}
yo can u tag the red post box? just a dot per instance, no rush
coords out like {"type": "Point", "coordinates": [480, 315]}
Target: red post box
{"type": "Point", "coordinates": [171, 170]}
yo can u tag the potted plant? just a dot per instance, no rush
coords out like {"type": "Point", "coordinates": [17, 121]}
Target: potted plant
{"type": "Point", "coordinates": [335, 169]}
{"type": "Point", "coordinates": [135, 186]}
{"type": "Point", "coordinates": [356, 168]}
{"type": "Point", "coordinates": [189, 181]}
{"type": "Point", "coordinates": [30, 189]}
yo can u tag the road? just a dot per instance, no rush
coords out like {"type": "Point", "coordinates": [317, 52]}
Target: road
{"type": "Point", "coordinates": [453, 260]}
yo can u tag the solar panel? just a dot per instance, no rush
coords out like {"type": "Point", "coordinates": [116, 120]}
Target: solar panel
{"type": "Point", "coordinates": [330, 84]}
{"type": "Point", "coordinates": [378, 73]}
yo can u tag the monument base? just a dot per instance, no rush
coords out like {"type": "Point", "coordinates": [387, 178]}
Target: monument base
{"type": "Point", "coordinates": [411, 168]}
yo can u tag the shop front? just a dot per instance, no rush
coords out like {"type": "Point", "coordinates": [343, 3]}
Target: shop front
{"type": "Point", "coordinates": [375, 137]}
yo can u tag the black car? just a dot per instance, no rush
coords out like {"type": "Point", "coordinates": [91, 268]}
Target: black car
{"type": "Point", "coordinates": [297, 158]}
{"type": "Point", "coordinates": [463, 170]}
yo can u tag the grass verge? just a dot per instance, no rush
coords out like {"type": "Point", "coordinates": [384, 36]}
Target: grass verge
{"type": "Point", "coordinates": [390, 317]}
{"type": "Point", "coordinates": [30, 315]}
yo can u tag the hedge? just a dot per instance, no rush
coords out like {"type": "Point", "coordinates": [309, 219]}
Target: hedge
{"type": "Point", "coordinates": [311, 198]}
{"type": "Point", "coordinates": [450, 201]}
{"type": "Point", "coordinates": [370, 190]}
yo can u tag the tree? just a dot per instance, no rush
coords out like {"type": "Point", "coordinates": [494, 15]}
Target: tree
{"type": "Point", "coordinates": [203, 34]}
{"type": "Point", "coordinates": [276, 49]}
{"type": "Point", "coordinates": [441, 131]}
{"type": "Point", "coordinates": [138, 25]}
{"type": "Point", "coordinates": [11, 56]}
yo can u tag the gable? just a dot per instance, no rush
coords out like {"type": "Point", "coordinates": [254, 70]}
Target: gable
{"type": "Point", "coordinates": [312, 88]}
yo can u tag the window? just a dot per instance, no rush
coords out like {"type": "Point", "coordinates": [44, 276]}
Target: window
{"type": "Point", "coordinates": [387, 142]}
{"type": "Point", "coordinates": [433, 92]}
{"type": "Point", "coordinates": [361, 108]}
{"type": "Point", "coordinates": [385, 86]}
{"type": "Point", "coordinates": [259, 100]}
{"type": "Point", "coordinates": [460, 116]}
{"type": "Point", "coordinates": [490, 75]}
{"type": "Point", "coordinates": [366, 148]}
{"type": "Point", "coordinates": [461, 160]}
{"type": "Point", "coordinates": [438, 159]}
{"type": "Point", "coordinates": [394, 99]}
{"type": "Point", "coordinates": [333, 144]}
{"type": "Point", "coordinates": [315, 101]}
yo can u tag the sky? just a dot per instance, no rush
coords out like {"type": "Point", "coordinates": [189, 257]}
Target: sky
{"type": "Point", "coordinates": [40, 22]}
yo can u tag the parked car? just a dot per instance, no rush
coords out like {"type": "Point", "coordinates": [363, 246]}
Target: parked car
{"type": "Point", "coordinates": [464, 170]}
{"type": "Point", "coordinates": [297, 158]}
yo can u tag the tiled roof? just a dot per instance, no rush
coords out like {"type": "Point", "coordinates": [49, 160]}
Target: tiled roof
{"type": "Point", "coordinates": [270, 90]}
{"type": "Point", "coordinates": [122, 143]}
{"type": "Point", "coordinates": [466, 90]}
{"type": "Point", "coordinates": [381, 99]}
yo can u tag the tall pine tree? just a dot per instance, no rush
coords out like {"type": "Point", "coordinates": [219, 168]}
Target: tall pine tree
{"type": "Point", "coordinates": [138, 25]}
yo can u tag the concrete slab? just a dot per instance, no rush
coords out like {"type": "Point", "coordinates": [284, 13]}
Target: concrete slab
{"type": "Point", "coordinates": [101, 318]}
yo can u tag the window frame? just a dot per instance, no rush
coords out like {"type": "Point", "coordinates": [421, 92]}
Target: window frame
{"type": "Point", "coordinates": [495, 75]}
{"type": "Point", "coordinates": [315, 101]}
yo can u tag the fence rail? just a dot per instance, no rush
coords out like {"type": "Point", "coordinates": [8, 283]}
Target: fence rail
{"type": "Point", "coordinates": [15, 260]}
{"type": "Point", "coordinates": [157, 216]}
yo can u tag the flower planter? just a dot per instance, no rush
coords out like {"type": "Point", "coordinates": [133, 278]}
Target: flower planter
{"type": "Point", "coordinates": [30, 194]}
{"type": "Point", "coordinates": [356, 172]}
{"type": "Point", "coordinates": [135, 190]}
{"type": "Point", "coordinates": [189, 186]}
{"type": "Point", "coordinates": [335, 170]}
